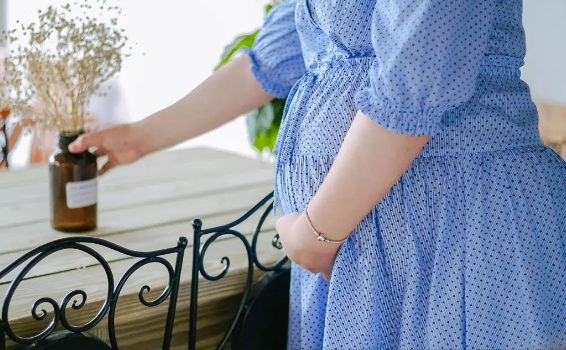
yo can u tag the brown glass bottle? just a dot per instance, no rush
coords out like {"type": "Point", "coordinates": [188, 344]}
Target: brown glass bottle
{"type": "Point", "coordinates": [73, 188]}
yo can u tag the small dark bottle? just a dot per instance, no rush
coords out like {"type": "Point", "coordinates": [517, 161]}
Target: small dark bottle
{"type": "Point", "coordinates": [74, 190]}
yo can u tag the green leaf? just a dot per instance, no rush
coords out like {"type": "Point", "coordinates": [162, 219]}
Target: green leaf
{"type": "Point", "coordinates": [278, 108]}
{"type": "Point", "coordinates": [263, 124]}
{"type": "Point", "coordinates": [264, 118]}
{"type": "Point", "coordinates": [250, 125]}
{"type": "Point", "coordinates": [241, 41]}
{"type": "Point", "coordinates": [266, 140]}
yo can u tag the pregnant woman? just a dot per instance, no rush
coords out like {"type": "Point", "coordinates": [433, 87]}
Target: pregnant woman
{"type": "Point", "coordinates": [422, 209]}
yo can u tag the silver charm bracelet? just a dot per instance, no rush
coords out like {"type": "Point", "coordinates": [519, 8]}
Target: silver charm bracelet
{"type": "Point", "coordinates": [321, 237]}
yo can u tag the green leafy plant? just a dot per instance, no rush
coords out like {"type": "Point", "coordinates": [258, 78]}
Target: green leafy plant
{"type": "Point", "coordinates": [262, 123]}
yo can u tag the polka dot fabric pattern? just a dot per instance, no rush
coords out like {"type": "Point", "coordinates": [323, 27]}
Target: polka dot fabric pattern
{"type": "Point", "coordinates": [481, 264]}
{"type": "Point", "coordinates": [468, 250]}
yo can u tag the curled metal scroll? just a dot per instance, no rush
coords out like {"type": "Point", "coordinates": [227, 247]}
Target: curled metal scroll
{"type": "Point", "coordinates": [164, 295]}
{"type": "Point", "coordinates": [249, 278]}
{"type": "Point", "coordinates": [275, 242]}
{"type": "Point", "coordinates": [253, 261]}
{"type": "Point", "coordinates": [58, 310]}
{"type": "Point", "coordinates": [77, 299]}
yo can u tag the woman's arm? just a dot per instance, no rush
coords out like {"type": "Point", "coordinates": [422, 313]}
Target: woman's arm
{"type": "Point", "coordinates": [227, 94]}
{"type": "Point", "coordinates": [269, 70]}
{"type": "Point", "coordinates": [371, 160]}
{"type": "Point", "coordinates": [230, 92]}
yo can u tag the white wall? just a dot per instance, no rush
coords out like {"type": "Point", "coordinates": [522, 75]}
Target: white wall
{"type": "Point", "coordinates": [545, 64]}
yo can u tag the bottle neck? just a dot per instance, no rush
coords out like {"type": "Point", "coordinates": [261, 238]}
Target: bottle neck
{"type": "Point", "coordinates": [65, 140]}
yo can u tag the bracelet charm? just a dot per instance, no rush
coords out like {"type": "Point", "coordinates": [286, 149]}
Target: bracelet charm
{"type": "Point", "coordinates": [320, 236]}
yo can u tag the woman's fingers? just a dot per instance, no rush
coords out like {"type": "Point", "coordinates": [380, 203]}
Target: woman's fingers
{"type": "Point", "coordinates": [106, 167]}
{"type": "Point", "coordinates": [100, 153]}
{"type": "Point", "coordinates": [109, 165]}
{"type": "Point", "coordinates": [84, 142]}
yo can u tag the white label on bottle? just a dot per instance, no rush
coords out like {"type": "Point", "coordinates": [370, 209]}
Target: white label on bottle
{"type": "Point", "coordinates": [82, 194]}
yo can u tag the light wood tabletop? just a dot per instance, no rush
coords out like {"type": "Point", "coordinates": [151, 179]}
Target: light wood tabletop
{"type": "Point", "coordinates": [144, 207]}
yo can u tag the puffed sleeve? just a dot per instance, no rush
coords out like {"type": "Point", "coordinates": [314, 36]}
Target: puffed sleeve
{"type": "Point", "coordinates": [428, 56]}
{"type": "Point", "coordinates": [276, 56]}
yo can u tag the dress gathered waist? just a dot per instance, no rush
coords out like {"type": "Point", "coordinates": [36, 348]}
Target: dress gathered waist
{"type": "Point", "coordinates": [499, 75]}
{"type": "Point", "coordinates": [490, 64]}
{"type": "Point", "coordinates": [501, 99]}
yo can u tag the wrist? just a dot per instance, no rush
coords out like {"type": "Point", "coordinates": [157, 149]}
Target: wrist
{"type": "Point", "coordinates": [313, 254]}
{"type": "Point", "coordinates": [142, 138]}
{"type": "Point", "coordinates": [319, 235]}
{"type": "Point", "coordinates": [329, 220]}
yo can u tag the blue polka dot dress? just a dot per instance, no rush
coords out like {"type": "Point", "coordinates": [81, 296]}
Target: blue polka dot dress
{"type": "Point", "coordinates": [468, 250]}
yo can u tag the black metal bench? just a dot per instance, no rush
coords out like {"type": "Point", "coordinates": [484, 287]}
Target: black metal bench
{"type": "Point", "coordinates": [260, 321]}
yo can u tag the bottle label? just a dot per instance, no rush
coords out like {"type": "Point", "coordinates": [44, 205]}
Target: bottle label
{"type": "Point", "coordinates": [82, 194]}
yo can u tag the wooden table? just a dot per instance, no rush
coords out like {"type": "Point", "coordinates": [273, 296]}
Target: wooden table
{"type": "Point", "coordinates": [144, 206]}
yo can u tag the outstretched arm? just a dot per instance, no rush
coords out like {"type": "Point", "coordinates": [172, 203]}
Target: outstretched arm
{"type": "Point", "coordinates": [269, 70]}
{"type": "Point", "coordinates": [227, 94]}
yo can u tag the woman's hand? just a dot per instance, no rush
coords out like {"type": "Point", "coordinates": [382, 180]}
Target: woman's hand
{"type": "Point", "coordinates": [302, 246]}
{"type": "Point", "coordinates": [122, 144]}
{"type": "Point", "coordinates": [227, 94]}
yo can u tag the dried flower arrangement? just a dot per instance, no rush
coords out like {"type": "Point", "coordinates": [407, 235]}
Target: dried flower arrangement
{"type": "Point", "coordinates": [13, 96]}
{"type": "Point", "coordinates": [57, 64]}
{"type": "Point", "coordinates": [13, 99]}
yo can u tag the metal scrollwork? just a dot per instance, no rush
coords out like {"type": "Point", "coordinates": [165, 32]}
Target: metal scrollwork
{"type": "Point", "coordinates": [45, 333]}
{"type": "Point", "coordinates": [225, 260]}
{"type": "Point", "coordinates": [275, 242]}
{"type": "Point", "coordinates": [58, 310]}
{"type": "Point", "coordinates": [251, 250]}
{"type": "Point", "coordinates": [166, 293]}
{"type": "Point", "coordinates": [78, 298]}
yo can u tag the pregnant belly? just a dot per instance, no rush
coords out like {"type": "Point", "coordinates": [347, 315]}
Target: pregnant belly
{"type": "Point", "coordinates": [323, 108]}
{"type": "Point", "coordinates": [319, 115]}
